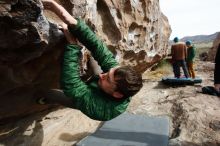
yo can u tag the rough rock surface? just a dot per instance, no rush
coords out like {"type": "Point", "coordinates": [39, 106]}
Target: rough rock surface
{"type": "Point", "coordinates": [135, 31]}
{"type": "Point", "coordinates": [28, 59]}
{"type": "Point", "coordinates": [31, 47]}
{"type": "Point", "coordinates": [213, 50]}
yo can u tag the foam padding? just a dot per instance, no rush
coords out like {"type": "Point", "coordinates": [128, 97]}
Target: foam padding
{"type": "Point", "coordinates": [181, 81]}
{"type": "Point", "coordinates": [130, 130]}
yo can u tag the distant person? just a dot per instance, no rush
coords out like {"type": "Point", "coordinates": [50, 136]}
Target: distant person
{"type": "Point", "coordinates": [191, 53]}
{"type": "Point", "coordinates": [179, 53]}
{"type": "Point", "coordinates": [104, 96]}
{"type": "Point", "coordinates": [216, 89]}
{"type": "Point", "coordinates": [217, 70]}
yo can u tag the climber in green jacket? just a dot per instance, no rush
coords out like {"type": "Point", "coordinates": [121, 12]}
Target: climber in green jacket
{"type": "Point", "coordinates": [105, 96]}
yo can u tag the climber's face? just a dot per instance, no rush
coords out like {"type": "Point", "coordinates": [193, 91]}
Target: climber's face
{"type": "Point", "coordinates": [108, 84]}
{"type": "Point", "coordinates": [107, 81]}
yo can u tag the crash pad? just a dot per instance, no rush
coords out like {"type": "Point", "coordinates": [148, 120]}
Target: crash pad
{"type": "Point", "coordinates": [210, 90]}
{"type": "Point", "coordinates": [130, 130]}
{"type": "Point", "coordinates": [181, 81]}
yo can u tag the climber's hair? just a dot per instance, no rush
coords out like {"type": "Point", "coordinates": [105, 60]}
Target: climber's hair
{"type": "Point", "coordinates": [128, 81]}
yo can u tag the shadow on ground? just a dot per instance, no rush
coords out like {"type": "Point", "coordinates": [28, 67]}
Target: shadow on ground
{"type": "Point", "coordinates": [28, 130]}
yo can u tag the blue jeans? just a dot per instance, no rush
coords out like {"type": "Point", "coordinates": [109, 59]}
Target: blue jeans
{"type": "Point", "coordinates": [176, 68]}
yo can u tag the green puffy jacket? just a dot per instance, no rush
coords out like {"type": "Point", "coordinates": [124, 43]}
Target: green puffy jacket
{"type": "Point", "coordinates": [191, 53]}
{"type": "Point", "coordinates": [88, 97]}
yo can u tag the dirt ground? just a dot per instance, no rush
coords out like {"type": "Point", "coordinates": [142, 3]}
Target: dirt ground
{"type": "Point", "coordinates": [194, 117]}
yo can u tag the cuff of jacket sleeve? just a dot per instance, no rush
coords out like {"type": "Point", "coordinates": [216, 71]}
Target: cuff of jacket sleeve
{"type": "Point", "coordinates": [75, 46]}
{"type": "Point", "coordinates": [77, 26]}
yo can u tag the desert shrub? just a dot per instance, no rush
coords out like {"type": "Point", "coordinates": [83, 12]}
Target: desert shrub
{"type": "Point", "coordinates": [163, 68]}
{"type": "Point", "coordinates": [201, 48]}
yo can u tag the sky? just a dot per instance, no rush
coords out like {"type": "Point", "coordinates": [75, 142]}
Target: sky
{"type": "Point", "coordinates": [192, 17]}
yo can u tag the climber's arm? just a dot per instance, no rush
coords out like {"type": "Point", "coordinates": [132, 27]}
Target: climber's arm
{"type": "Point", "coordinates": [85, 35]}
{"type": "Point", "coordinates": [71, 82]}
{"type": "Point", "coordinates": [59, 11]}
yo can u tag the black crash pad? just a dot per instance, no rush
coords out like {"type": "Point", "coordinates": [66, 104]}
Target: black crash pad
{"type": "Point", "coordinates": [181, 81]}
{"type": "Point", "coordinates": [130, 130]}
{"type": "Point", "coordinates": [210, 90]}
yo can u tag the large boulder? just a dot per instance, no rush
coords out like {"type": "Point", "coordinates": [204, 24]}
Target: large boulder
{"type": "Point", "coordinates": [31, 44]}
{"type": "Point", "coordinates": [29, 59]}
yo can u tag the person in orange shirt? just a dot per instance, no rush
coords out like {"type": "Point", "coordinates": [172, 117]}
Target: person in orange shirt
{"type": "Point", "coordinates": [179, 53]}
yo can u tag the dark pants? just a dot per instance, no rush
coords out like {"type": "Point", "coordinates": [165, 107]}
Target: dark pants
{"type": "Point", "coordinates": [55, 96]}
{"type": "Point", "coordinates": [176, 68]}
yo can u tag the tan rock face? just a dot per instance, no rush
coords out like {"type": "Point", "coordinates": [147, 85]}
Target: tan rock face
{"type": "Point", "coordinates": [31, 46]}
{"type": "Point", "coordinates": [136, 31]}
{"type": "Point", "coordinates": [213, 50]}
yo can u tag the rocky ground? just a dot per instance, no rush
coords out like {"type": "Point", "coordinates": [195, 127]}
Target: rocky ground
{"type": "Point", "coordinates": [194, 117]}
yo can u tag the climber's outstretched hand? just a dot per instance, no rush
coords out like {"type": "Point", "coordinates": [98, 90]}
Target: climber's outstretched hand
{"type": "Point", "coordinates": [59, 11]}
{"type": "Point", "coordinates": [69, 37]}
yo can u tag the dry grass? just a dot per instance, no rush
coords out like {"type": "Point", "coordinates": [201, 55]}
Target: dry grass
{"type": "Point", "coordinates": [163, 68]}
{"type": "Point", "coordinates": [202, 47]}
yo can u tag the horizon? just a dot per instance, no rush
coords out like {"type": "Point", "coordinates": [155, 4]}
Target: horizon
{"type": "Point", "coordinates": [191, 18]}
{"type": "Point", "coordinates": [200, 35]}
